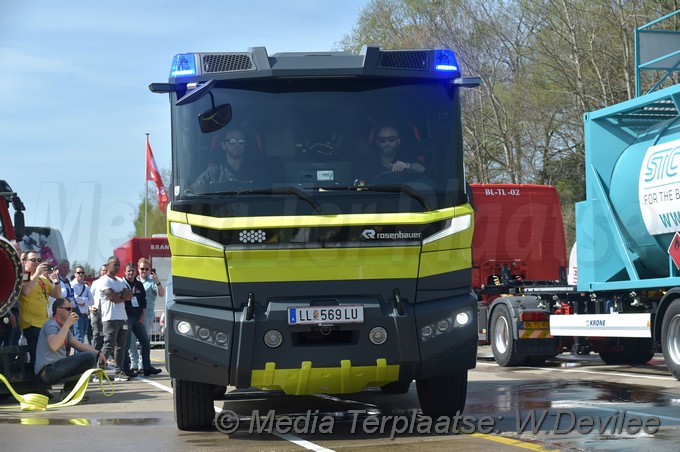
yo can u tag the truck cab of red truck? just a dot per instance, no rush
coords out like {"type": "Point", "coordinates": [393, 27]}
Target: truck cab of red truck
{"type": "Point", "coordinates": [12, 357]}
{"type": "Point", "coordinates": [519, 235]}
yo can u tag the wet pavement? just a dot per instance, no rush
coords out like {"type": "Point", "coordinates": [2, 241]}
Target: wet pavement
{"type": "Point", "coordinates": [570, 403]}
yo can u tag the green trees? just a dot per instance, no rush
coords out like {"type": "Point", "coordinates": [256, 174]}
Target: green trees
{"type": "Point", "coordinates": [543, 64]}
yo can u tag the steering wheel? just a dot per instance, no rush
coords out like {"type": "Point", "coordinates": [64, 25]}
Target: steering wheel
{"type": "Point", "coordinates": [390, 177]}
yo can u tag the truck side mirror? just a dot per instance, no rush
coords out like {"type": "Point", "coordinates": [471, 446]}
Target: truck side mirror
{"type": "Point", "coordinates": [215, 118]}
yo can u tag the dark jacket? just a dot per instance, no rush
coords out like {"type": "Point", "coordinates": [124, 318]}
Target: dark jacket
{"type": "Point", "coordinates": [138, 292]}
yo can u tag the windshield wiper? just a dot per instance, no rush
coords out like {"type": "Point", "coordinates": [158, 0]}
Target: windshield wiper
{"type": "Point", "coordinates": [401, 188]}
{"type": "Point", "coordinates": [288, 190]}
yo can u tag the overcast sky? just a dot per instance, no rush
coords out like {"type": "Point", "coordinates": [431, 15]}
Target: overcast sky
{"type": "Point", "coordinates": [75, 106]}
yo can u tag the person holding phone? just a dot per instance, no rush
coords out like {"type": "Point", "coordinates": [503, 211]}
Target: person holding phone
{"type": "Point", "coordinates": [153, 289]}
{"type": "Point", "coordinates": [34, 299]}
{"type": "Point", "coordinates": [63, 268]}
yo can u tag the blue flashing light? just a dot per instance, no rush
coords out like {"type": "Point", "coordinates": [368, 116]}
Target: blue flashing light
{"type": "Point", "coordinates": [183, 64]}
{"type": "Point", "coordinates": [445, 60]}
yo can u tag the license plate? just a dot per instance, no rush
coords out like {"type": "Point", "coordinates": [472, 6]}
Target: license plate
{"type": "Point", "coordinates": [316, 315]}
{"type": "Point", "coordinates": [536, 325]}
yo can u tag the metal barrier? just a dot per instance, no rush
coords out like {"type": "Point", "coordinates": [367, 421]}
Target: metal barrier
{"type": "Point", "coordinates": [156, 339]}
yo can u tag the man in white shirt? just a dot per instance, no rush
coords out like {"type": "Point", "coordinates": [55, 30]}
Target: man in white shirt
{"type": "Point", "coordinates": [113, 295]}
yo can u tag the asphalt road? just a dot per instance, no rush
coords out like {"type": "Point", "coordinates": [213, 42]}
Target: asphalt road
{"type": "Point", "coordinates": [571, 403]}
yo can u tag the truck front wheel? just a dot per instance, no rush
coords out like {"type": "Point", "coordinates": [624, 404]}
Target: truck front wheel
{"type": "Point", "coordinates": [193, 405]}
{"type": "Point", "coordinates": [670, 338]}
{"type": "Point", "coordinates": [503, 343]}
{"type": "Point", "coordinates": [444, 395]}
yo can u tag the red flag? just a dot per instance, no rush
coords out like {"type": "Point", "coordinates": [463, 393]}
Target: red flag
{"type": "Point", "coordinates": [153, 174]}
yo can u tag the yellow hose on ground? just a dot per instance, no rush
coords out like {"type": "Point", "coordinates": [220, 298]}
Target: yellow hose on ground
{"type": "Point", "coordinates": [39, 402]}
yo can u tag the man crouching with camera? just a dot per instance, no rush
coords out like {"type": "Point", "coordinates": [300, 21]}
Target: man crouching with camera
{"type": "Point", "coordinates": [53, 360]}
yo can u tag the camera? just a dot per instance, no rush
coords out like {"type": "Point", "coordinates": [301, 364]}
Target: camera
{"type": "Point", "coordinates": [153, 270]}
{"type": "Point", "coordinates": [49, 268]}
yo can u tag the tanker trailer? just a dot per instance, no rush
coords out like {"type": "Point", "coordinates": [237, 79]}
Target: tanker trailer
{"type": "Point", "coordinates": [628, 228]}
{"type": "Point", "coordinates": [626, 303]}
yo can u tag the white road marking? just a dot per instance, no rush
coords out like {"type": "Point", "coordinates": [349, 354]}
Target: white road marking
{"type": "Point", "coordinates": [287, 437]}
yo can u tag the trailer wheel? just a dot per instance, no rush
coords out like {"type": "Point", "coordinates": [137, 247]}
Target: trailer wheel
{"type": "Point", "coordinates": [644, 352]}
{"type": "Point", "coordinates": [503, 344]}
{"type": "Point", "coordinates": [635, 351]}
{"type": "Point", "coordinates": [193, 405]}
{"type": "Point", "coordinates": [444, 395]}
{"type": "Point", "coordinates": [535, 360]}
{"type": "Point", "coordinates": [396, 387]}
{"type": "Point", "coordinates": [670, 338]}
{"type": "Point", "coordinates": [617, 357]}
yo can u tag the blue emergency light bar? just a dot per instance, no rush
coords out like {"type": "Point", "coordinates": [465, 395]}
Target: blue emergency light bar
{"type": "Point", "coordinates": [445, 60]}
{"type": "Point", "coordinates": [438, 62]}
{"type": "Point", "coordinates": [183, 64]}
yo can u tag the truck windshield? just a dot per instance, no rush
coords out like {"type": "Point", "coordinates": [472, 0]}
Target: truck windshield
{"type": "Point", "coordinates": [320, 146]}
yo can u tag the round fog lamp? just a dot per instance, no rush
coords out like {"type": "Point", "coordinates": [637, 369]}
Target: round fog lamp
{"type": "Point", "coordinates": [427, 331]}
{"type": "Point", "coordinates": [378, 335]}
{"type": "Point", "coordinates": [273, 338]}
{"type": "Point", "coordinates": [221, 338]}
{"type": "Point", "coordinates": [204, 333]}
{"type": "Point", "coordinates": [443, 325]}
{"type": "Point", "coordinates": [463, 318]}
{"type": "Point", "coordinates": [183, 327]}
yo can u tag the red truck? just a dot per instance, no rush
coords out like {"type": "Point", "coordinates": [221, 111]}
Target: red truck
{"type": "Point", "coordinates": [156, 249]}
{"type": "Point", "coordinates": [12, 357]}
{"type": "Point", "coordinates": [518, 242]}
{"type": "Point", "coordinates": [519, 228]}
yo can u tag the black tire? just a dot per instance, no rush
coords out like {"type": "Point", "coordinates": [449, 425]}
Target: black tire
{"type": "Point", "coordinates": [614, 357]}
{"type": "Point", "coordinates": [503, 343]}
{"type": "Point", "coordinates": [670, 338]}
{"type": "Point", "coordinates": [218, 392]}
{"type": "Point", "coordinates": [644, 352]}
{"type": "Point", "coordinates": [396, 387]}
{"type": "Point", "coordinates": [635, 351]}
{"type": "Point", "coordinates": [535, 360]}
{"type": "Point", "coordinates": [444, 395]}
{"type": "Point", "coordinates": [193, 405]}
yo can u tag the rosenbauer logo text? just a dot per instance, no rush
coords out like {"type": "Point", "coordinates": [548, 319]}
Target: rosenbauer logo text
{"type": "Point", "coordinates": [372, 234]}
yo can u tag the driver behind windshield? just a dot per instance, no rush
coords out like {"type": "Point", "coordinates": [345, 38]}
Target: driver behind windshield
{"type": "Point", "coordinates": [237, 165]}
{"type": "Point", "coordinates": [391, 157]}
